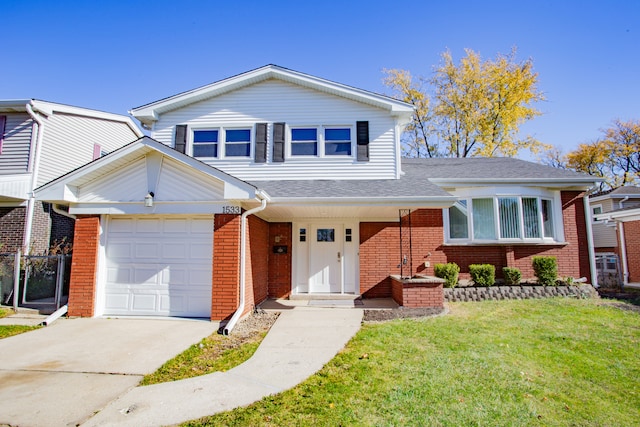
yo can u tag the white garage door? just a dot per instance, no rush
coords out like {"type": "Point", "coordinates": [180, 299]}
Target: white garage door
{"type": "Point", "coordinates": [159, 266]}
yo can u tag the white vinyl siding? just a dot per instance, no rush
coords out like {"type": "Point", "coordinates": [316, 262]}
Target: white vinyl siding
{"type": "Point", "coordinates": [275, 101]}
{"type": "Point", "coordinates": [69, 141]}
{"type": "Point", "coordinates": [16, 145]}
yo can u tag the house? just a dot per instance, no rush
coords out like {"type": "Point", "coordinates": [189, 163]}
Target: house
{"type": "Point", "coordinates": [605, 234]}
{"type": "Point", "coordinates": [275, 183]}
{"type": "Point", "coordinates": [40, 141]}
{"type": "Point", "coordinates": [627, 225]}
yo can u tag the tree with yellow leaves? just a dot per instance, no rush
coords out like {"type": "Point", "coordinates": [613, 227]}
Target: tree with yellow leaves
{"type": "Point", "coordinates": [615, 157]}
{"type": "Point", "coordinates": [478, 107]}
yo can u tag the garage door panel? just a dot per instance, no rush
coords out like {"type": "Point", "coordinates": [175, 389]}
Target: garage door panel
{"type": "Point", "coordinates": [119, 274]}
{"type": "Point", "coordinates": [148, 250]}
{"type": "Point", "coordinates": [176, 276]}
{"type": "Point", "coordinates": [201, 226]}
{"type": "Point", "coordinates": [200, 251]}
{"type": "Point", "coordinates": [150, 225]}
{"type": "Point", "coordinates": [175, 251]}
{"type": "Point", "coordinates": [176, 226]}
{"type": "Point", "coordinates": [144, 302]}
{"type": "Point", "coordinates": [159, 266]}
{"type": "Point", "coordinates": [120, 250]}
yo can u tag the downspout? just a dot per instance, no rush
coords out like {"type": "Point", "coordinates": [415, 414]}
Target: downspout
{"type": "Point", "coordinates": [590, 247]}
{"type": "Point", "coordinates": [243, 251]}
{"type": "Point", "coordinates": [62, 212]}
{"type": "Point", "coordinates": [623, 254]}
{"type": "Point", "coordinates": [35, 162]}
{"type": "Point", "coordinates": [623, 246]}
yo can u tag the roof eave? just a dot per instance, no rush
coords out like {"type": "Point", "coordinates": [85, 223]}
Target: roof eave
{"type": "Point", "coordinates": [547, 182]}
{"type": "Point", "coordinates": [148, 113]}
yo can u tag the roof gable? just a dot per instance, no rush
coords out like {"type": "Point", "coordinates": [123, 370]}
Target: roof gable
{"type": "Point", "coordinates": [145, 166]}
{"type": "Point", "coordinates": [149, 113]}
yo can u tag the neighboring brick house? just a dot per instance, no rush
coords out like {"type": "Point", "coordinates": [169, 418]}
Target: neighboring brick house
{"type": "Point", "coordinates": [275, 183]}
{"type": "Point", "coordinates": [40, 141]}
{"type": "Point", "coordinates": [605, 234]}
{"type": "Point", "coordinates": [627, 226]}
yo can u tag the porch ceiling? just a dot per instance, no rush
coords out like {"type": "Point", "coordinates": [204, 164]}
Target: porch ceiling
{"type": "Point", "coordinates": [363, 210]}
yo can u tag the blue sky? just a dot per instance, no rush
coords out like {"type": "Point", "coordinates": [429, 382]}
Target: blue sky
{"type": "Point", "coordinates": [116, 55]}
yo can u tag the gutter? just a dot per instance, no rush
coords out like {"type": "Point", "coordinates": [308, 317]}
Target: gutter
{"type": "Point", "coordinates": [243, 251]}
{"type": "Point", "coordinates": [34, 161]}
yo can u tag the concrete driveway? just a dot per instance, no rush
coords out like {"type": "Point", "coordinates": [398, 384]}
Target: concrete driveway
{"type": "Point", "coordinates": [63, 374]}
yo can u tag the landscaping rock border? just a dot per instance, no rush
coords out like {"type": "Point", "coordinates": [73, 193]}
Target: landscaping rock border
{"type": "Point", "coordinates": [517, 292]}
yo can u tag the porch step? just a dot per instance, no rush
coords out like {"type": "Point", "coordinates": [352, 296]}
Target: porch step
{"type": "Point", "coordinates": [320, 297]}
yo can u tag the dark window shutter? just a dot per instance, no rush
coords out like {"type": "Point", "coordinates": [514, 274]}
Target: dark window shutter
{"type": "Point", "coordinates": [278, 142]}
{"type": "Point", "coordinates": [362, 135]}
{"type": "Point", "coordinates": [261, 143]}
{"type": "Point", "coordinates": [181, 138]}
{"type": "Point", "coordinates": [3, 122]}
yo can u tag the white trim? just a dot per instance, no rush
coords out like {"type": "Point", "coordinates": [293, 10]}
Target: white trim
{"type": "Point", "coordinates": [469, 194]}
{"type": "Point", "coordinates": [150, 113]}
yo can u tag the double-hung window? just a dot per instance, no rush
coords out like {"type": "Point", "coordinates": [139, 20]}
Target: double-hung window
{"type": "Point", "coordinates": [501, 218]}
{"type": "Point", "coordinates": [337, 141]}
{"type": "Point", "coordinates": [222, 142]}
{"type": "Point", "coordinates": [237, 142]}
{"type": "Point", "coordinates": [304, 141]}
{"type": "Point", "coordinates": [205, 143]}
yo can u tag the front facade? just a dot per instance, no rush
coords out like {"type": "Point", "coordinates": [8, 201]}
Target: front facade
{"type": "Point", "coordinates": [274, 183]}
{"type": "Point", "coordinates": [39, 141]}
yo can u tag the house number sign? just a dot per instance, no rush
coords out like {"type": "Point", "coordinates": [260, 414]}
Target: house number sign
{"type": "Point", "coordinates": [231, 210]}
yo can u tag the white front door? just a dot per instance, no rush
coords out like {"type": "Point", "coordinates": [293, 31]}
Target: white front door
{"type": "Point", "coordinates": [325, 265]}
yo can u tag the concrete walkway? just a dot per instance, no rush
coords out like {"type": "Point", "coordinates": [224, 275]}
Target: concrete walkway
{"type": "Point", "coordinates": [63, 374]}
{"type": "Point", "coordinates": [302, 341]}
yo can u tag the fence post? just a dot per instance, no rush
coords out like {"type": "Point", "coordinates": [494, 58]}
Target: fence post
{"type": "Point", "coordinates": [16, 280]}
{"type": "Point", "coordinates": [59, 280]}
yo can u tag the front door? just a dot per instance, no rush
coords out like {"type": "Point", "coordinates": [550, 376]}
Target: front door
{"type": "Point", "coordinates": [325, 265]}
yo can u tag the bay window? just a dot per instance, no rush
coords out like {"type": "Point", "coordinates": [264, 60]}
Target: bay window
{"type": "Point", "coordinates": [501, 218]}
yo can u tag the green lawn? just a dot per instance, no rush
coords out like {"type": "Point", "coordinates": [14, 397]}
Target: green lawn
{"type": "Point", "coordinates": [553, 362]}
{"type": "Point", "coordinates": [10, 330]}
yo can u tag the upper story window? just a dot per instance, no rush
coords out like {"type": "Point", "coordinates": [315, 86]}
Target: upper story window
{"type": "Point", "coordinates": [321, 141]}
{"type": "Point", "coordinates": [222, 142]}
{"type": "Point", "coordinates": [501, 218]}
{"type": "Point", "coordinates": [595, 210]}
{"type": "Point", "coordinates": [205, 143]}
{"type": "Point", "coordinates": [237, 143]}
{"type": "Point", "coordinates": [304, 141]}
{"type": "Point", "coordinates": [337, 141]}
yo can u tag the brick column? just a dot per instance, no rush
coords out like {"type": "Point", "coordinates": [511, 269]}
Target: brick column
{"type": "Point", "coordinates": [509, 257]}
{"type": "Point", "coordinates": [226, 266]}
{"type": "Point", "coordinates": [84, 267]}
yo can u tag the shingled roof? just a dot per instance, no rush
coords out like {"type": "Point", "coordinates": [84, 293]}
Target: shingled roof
{"type": "Point", "coordinates": [425, 177]}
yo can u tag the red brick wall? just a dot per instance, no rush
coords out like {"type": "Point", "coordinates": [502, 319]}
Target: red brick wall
{"type": "Point", "coordinates": [416, 295]}
{"type": "Point", "coordinates": [380, 249]}
{"type": "Point", "coordinates": [257, 263]}
{"type": "Point", "coordinates": [40, 228]}
{"type": "Point", "coordinates": [11, 228]}
{"type": "Point", "coordinates": [632, 240]}
{"type": "Point", "coordinates": [280, 264]}
{"type": "Point", "coordinates": [84, 267]}
{"type": "Point", "coordinates": [226, 261]}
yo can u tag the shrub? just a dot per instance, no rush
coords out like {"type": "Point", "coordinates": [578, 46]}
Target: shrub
{"type": "Point", "coordinates": [482, 274]}
{"type": "Point", "coordinates": [448, 272]}
{"type": "Point", "coordinates": [512, 276]}
{"type": "Point", "coordinates": [545, 269]}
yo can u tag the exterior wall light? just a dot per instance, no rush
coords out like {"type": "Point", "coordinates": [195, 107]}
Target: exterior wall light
{"type": "Point", "coordinates": [148, 199]}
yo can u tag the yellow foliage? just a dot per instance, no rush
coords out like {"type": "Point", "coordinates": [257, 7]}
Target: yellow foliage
{"type": "Point", "coordinates": [477, 108]}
